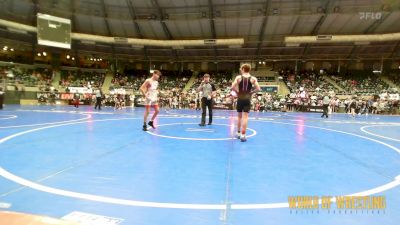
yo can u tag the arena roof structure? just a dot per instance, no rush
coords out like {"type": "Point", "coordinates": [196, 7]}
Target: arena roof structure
{"type": "Point", "coordinates": [263, 25]}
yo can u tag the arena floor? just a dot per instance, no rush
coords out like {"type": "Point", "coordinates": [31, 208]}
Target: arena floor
{"type": "Point", "coordinates": [67, 163]}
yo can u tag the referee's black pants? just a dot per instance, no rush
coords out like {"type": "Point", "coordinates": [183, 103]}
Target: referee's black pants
{"type": "Point", "coordinates": [98, 103]}
{"type": "Point", "coordinates": [1, 101]}
{"type": "Point", "coordinates": [325, 112]}
{"type": "Point", "coordinates": [205, 103]}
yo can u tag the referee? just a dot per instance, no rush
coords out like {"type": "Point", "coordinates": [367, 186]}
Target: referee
{"type": "Point", "coordinates": [99, 98]}
{"type": "Point", "coordinates": [325, 104]}
{"type": "Point", "coordinates": [1, 97]}
{"type": "Point", "coordinates": [208, 92]}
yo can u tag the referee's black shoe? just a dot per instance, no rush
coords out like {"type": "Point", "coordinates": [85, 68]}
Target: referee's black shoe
{"type": "Point", "coordinates": [202, 124]}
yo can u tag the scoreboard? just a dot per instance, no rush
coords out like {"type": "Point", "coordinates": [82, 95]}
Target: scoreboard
{"type": "Point", "coordinates": [53, 31]}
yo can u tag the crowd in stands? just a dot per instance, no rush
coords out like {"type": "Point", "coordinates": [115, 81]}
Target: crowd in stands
{"type": "Point", "coordinates": [130, 79]}
{"type": "Point", "coordinates": [171, 84]}
{"type": "Point", "coordinates": [384, 103]}
{"type": "Point", "coordinates": [310, 81]}
{"type": "Point", "coordinates": [361, 85]}
{"type": "Point", "coordinates": [28, 77]}
{"type": "Point", "coordinates": [307, 88]}
{"type": "Point", "coordinates": [72, 78]}
{"type": "Point", "coordinates": [173, 96]}
{"type": "Point", "coordinates": [222, 82]}
{"type": "Point", "coordinates": [395, 78]}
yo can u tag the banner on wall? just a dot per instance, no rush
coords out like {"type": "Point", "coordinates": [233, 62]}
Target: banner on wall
{"type": "Point", "coordinates": [270, 88]}
{"type": "Point", "coordinates": [80, 90]}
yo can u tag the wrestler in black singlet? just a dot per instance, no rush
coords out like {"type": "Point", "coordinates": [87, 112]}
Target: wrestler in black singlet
{"type": "Point", "coordinates": [244, 95]}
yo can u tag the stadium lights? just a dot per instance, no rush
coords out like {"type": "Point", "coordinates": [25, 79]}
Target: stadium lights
{"type": "Point", "coordinates": [69, 57]}
{"type": "Point", "coordinates": [11, 49]}
{"type": "Point", "coordinates": [44, 54]}
{"type": "Point", "coordinates": [39, 54]}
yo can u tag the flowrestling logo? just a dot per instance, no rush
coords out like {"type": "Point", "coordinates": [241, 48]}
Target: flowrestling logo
{"type": "Point", "coordinates": [370, 15]}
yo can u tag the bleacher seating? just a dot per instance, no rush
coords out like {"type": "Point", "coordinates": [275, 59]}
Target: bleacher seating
{"type": "Point", "coordinates": [73, 78]}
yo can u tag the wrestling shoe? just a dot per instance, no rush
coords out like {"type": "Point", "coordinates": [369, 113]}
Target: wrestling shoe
{"type": "Point", "coordinates": [243, 138]}
{"type": "Point", "coordinates": [152, 124]}
{"type": "Point", "coordinates": [145, 127]}
{"type": "Point", "coordinates": [238, 134]}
